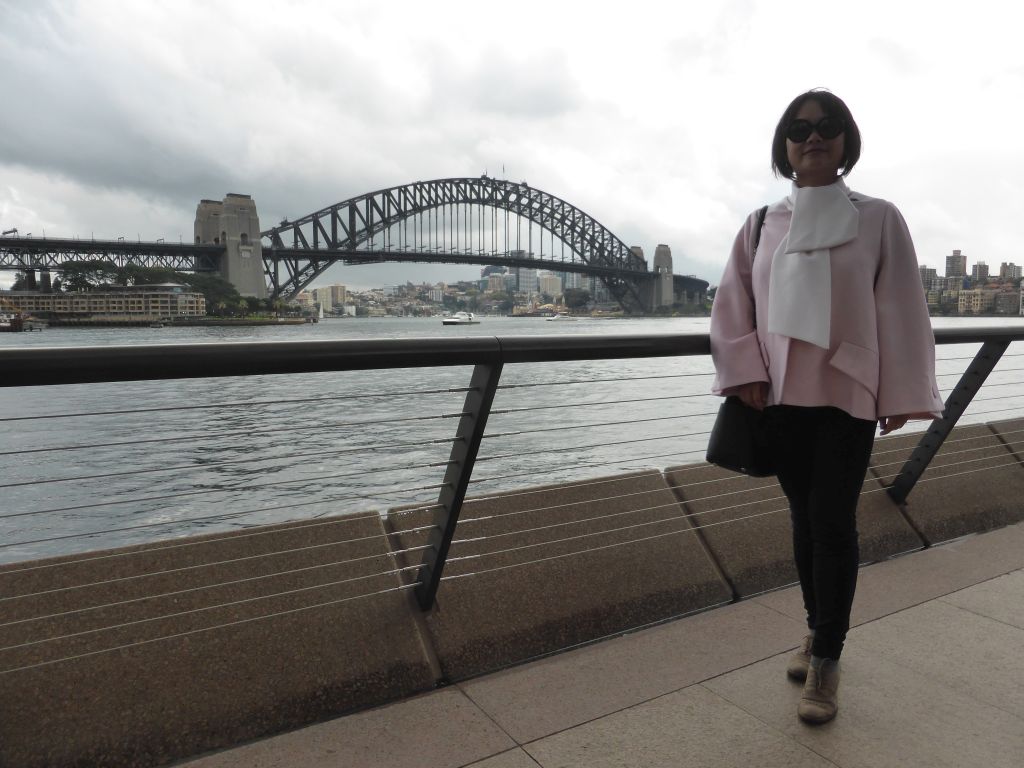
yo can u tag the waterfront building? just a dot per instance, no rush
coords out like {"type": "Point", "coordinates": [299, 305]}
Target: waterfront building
{"type": "Point", "coordinates": [979, 271]}
{"type": "Point", "coordinates": [496, 282]}
{"type": "Point", "coordinates": [136, 302]}
{"type": "Point", "coordinates": [956, 265]}
{"type": "Point", "coordinates": [976, 301]}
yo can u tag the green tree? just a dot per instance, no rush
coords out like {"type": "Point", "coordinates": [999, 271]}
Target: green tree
{"type": "Point", "coordinates": [20, 282]}
{"type": "Point", "coordinates": [576, 298]}
{"type": "Point", "coordinates": [216, 290]}
{"type": "Point", "coordinates": [88, 274]}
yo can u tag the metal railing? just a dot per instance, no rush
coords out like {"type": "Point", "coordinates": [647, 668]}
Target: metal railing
{"type": "Point", "coordinates": [385, 430]}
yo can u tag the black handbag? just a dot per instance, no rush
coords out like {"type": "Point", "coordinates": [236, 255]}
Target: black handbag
{"type": "Point", "coordinates": [739, 439]}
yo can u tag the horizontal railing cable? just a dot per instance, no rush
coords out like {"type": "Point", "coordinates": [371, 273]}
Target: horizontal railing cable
{"type": "Point", "coordinates": [593, 445]}
{"type": "Point", "coordinates": [207, 436]}
{"type": "Point", "coordinates": [207, 587]}
{"type": "Point", "coordinates": [229, 561]}
{"type": "Point", "coordinates": [228, 537]}
{"type": "Point", "coordinates": [946, 475]}
{"type": "Point", "coordinates": [249, 487]}
{"type": "Point", "coordinates": [688, 529]}
{"type": "Point", "coordinates": [204, 608]}
{"type": "Point", "coordinates": [348, 497]}
{"type": "Point", "coordinates": [588, 404]}
{"type": "Point", "coordinates": [187, 633]}
{"type": "Point", "coordinates": [587, 465]}
{"type": "Point", "coordinates": [603, 381]}
{"type": "Point", "coordinates": [663, 520]}
{"type": "Point", "coordinates": [994, 371]}
{"type": "Point", "coordinates": [493, 435]}
{"type": "Point", "coordinates": [620, 497]}
{"type": "Point", "coordinates": [228, 406]}
{"type": "Point", "coordinates": [230, 462]}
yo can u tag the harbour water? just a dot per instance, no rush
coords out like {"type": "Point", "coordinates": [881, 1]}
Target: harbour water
{"type": "Point", "coordinates": [92, 466]}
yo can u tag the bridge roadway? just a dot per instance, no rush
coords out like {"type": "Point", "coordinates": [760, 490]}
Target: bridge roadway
{"type": "Point", "coordinates": [932, 676]}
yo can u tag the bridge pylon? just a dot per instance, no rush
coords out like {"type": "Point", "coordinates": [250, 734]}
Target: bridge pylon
{"type": "Point", "coordinates": [234, 224]}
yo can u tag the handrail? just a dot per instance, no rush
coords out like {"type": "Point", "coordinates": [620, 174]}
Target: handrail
{"type": "Point", "coordinates": [487, 355]}
{"type": "Point", "coordinates": [40, 366]}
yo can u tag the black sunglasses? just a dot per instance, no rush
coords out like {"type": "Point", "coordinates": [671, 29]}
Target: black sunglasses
{"type": "Point", "coordinates": [800, 131]}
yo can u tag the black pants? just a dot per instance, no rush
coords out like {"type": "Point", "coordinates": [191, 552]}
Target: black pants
{"type": "Point", "coordinates": [822, 456]}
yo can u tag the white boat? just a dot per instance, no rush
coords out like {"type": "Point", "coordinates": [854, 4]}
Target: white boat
{"type": "Point", "coordinates": [460, 318]}
{"type": "Point", "coordinates": [560, 316]}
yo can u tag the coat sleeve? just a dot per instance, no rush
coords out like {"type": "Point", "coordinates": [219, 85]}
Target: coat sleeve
{"type": "Point", "coordinates": [906, 342]}
{"type": "Point", "coordinates": [734, 345]}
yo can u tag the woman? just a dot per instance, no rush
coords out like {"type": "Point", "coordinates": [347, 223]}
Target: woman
{"type": "Point", "coordinates": [827, 330]}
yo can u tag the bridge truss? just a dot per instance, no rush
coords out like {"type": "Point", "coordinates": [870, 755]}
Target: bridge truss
{"type": "Point", "coordinates": [460, 220]}
{"type": "Point", "coordinates": [42, 253]}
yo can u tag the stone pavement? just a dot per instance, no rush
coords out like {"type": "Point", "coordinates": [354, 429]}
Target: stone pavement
{"type": "Point", "coordinates": [933, 675]}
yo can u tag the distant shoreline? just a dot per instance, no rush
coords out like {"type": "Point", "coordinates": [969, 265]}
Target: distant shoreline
{"type": "Point", "coordinates": [196, 322]}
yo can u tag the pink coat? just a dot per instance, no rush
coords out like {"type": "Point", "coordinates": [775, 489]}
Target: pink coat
{"type": "Point", "coordinates": [881, 356]}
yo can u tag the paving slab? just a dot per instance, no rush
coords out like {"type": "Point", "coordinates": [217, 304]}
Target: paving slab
{"type": "Point", "coordinates": [902, 582]}
{"type": "Point", "coordinates": [889, 715]}
{"type": "Point", "coordinates": [692, 727]}
{"type": "Point", "coordinates": [976, 655]}
{"type": "Point", "coordinates": [441, 730]}
{"type": "Point", "coordinates": [989, 599]}
{"type": "Point", "coordinates": [535, 700]}
{"type": "Point", "coordinates": [550, 567]}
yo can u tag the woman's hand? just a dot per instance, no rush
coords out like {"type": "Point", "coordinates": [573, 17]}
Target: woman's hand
{"type": "Point", "coordinates": [754, 394]}
{"type": "Point", "coordinates": [892, 423]}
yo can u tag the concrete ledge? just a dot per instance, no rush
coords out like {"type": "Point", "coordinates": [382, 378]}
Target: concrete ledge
{"type": "Point", "coordinates": [974, 483]}
{"type": "Point", "coordinates": [547, 568]}
{"type": "Point", "coordinates": [200, 667]}
{"type": "Point", "coordinates": [745, 522]}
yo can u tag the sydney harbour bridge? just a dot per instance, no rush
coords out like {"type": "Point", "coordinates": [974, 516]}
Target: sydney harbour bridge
{"type": "Point", "coordinates": [453, 221]}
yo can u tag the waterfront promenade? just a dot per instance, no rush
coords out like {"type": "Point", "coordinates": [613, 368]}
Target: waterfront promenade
{"type": "Point", "coordinates": [933, 676]}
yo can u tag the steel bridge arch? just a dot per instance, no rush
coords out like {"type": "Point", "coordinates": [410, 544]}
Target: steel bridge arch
{"type": "Point", "coordinates": [337, 232]}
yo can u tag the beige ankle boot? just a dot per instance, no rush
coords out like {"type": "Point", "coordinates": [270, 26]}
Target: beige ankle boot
{"type": "Point", "coordinates": [820, 699]}
{"type": "Point", "coordinates": [800, 660]}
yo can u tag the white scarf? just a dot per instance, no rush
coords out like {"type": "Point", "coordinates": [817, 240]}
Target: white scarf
{"type": "Point", "coordinates": [800, 287]}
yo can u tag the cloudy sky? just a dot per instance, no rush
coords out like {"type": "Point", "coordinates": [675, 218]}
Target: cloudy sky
{"type": "Point", "coordinates": [653, 117]}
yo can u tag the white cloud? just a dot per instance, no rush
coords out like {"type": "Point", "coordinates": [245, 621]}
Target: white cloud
{"type": "Point", "coordinates": [654, 118]}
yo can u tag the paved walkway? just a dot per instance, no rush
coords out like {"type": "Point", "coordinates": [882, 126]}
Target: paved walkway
{"type": "Point", "coordinates": [933, 676]}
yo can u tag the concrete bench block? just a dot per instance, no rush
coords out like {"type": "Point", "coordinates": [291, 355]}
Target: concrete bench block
{"type": "Point", "coordinates": [745, 522]}
{"type": "Point", "coordinates": [183, 666]}
{"type": "Point", "coordinates": [550, 567]}
{"type": "Point", "coordinates": [974, 483]}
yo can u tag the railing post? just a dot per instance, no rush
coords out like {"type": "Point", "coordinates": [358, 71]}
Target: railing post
{"type": "Point", "coordinates": [956, 404]}
{"type": "Point", "coordinates": [475, 411]}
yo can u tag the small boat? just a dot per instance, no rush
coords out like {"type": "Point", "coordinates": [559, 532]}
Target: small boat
{"type": "Point", "coordinates": [460, 318]}
{"type": "Point", "coordinates": [560, 316]}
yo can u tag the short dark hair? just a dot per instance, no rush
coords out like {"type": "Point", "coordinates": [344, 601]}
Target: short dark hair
{"type": "Point", "coordinates": [832, 106]}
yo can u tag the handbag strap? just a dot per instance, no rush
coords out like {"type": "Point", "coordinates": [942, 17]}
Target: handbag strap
{"type": "Point", "coordinates": [757, 233]}
{"type": "Point", "coordinates": [753, 251]}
